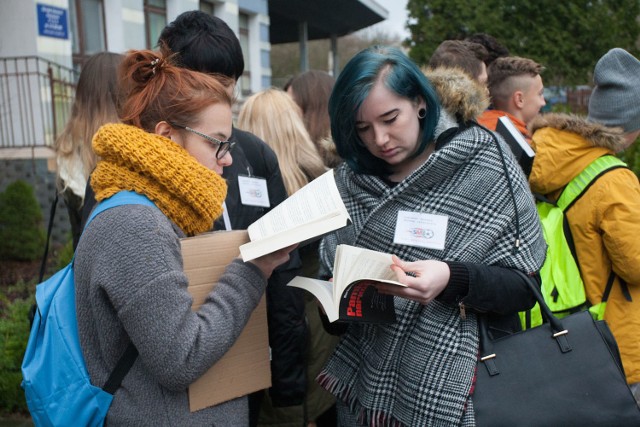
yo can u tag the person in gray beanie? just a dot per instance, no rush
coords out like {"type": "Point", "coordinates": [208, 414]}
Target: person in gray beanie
{"type": "Point", "coordinates": [604, 221]}
{"type": "Point", "coordinates": [615, 98]}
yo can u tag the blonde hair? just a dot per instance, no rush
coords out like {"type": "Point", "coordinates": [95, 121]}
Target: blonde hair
{"type": "Point", "coordinates": [95, 104]}
{"type": "Point", "coordinates": [273, 116]}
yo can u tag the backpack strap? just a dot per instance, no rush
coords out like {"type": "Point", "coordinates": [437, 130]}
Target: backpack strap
{"type": "Point", "coordinates": [119, 199]}
{"type": "Point", "coordinates": [579, 185]}
{"type": "Point", "coordinates": [130, 354]}
{"type": "Point", "coordinates": [571, 193]}
{"type": "Point", "coordinates": [31, 314]}
{"type": "Point", "coordinates": [52, 215]}
{"type": "Point", "coordinates": [121, 369]}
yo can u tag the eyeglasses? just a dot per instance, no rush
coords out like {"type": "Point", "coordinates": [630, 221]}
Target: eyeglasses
{"type": "Point", "coordinates": [223, 146]}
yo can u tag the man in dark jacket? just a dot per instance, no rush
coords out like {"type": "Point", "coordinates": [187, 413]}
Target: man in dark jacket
{"type": "Point", "coordinates": [206, 43]}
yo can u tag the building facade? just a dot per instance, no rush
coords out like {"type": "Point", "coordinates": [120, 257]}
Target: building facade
{"type": "Point", "coordinates": [43, 44]}
{"type": "Point", "coordinates": [66, 32]}
{"type": "Point", "coordinates": [58, 35]}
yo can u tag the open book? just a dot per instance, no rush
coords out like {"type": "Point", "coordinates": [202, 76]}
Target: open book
{"type": "Point", "coordinates": [521, 150]}
{"type": "Point", "coordinates": [314, 210]}
{"type": "Point", "coordinates": [351, 296]}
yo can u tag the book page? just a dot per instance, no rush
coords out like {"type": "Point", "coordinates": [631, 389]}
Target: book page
{"type": "Point", "coordinates": [352, 295]}
{"type": "Point", "coordinates": [302, 234]}
{"type": "Point", "coordinates": [322, 290]}
{"type": "Point", "coordinates": [314, 202]}
{"type": "Point", "coordinates": [357, 264]}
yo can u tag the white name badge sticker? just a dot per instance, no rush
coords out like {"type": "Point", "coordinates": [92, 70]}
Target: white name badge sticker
{"type": "Point", "coordinates": [253, 191]}
{"type": "Point", "coordinates": [421, 229]}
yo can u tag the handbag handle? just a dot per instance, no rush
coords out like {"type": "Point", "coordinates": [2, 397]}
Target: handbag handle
{"type": "Point", "coordinates": [558, 332]}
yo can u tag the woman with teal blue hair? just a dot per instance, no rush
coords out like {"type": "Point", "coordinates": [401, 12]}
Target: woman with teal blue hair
{"type": "Point", "coordinates": [415, 159]}
{"type": "Point", "coordinates": [356, 81]}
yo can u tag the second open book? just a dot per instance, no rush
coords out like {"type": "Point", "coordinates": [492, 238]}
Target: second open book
{"type": "Point", "coordinates": [306, 215]}
{"type": "Point", "coordinates": [351, 296]}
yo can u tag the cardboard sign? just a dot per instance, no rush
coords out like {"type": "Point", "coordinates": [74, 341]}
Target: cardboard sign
{"type": "Point", "coordinates": [245, 368]}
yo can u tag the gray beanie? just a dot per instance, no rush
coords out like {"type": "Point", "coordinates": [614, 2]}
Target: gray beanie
{"type": "Point", "coordinates": [615, 100]}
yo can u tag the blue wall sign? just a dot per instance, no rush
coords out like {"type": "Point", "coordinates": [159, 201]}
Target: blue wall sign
{"type": "Point", "coordinates": [52, 21]}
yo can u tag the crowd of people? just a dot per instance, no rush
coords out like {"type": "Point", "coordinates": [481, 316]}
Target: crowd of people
{"type": "Point", "coordinates": [401, 139]}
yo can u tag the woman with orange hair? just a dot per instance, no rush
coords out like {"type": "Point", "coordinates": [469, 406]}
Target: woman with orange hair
{"type": "Point", "coordinates": [130, 285]}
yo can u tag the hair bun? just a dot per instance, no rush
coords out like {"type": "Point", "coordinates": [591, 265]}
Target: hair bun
{"type": "Point", "coordinates": [154, 63]}
{"type": "Point", "coordinates": [147, 67]}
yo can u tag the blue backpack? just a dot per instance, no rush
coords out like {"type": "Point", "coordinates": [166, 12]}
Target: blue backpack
{"type": "Point", "coordinates": [55, 378]}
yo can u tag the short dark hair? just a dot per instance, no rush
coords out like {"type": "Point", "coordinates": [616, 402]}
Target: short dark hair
{"type": "Point", "coordinates": [467, 56]}
{"type": "Point", "coordinates": [203, 43]}
{"type": "Point", "coordinates": [494, 48]}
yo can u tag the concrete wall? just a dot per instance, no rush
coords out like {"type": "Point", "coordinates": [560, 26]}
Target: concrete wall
{"type": "Point", "coordinates": [18, 28]}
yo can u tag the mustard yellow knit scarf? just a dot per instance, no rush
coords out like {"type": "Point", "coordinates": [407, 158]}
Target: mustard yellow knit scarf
{"type": "Point", "coordinates": [184, 190]}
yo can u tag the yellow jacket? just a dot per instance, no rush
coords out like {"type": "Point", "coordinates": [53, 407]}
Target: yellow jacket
{"type": "Point", "coordinates": [604, 222]}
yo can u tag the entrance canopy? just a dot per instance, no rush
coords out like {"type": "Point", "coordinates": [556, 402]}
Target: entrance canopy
{"type": "Point", "coordinates": [324, 19]}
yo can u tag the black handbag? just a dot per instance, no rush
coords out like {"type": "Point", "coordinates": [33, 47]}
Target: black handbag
{"type": "Point", "coordinates": [565, 372]}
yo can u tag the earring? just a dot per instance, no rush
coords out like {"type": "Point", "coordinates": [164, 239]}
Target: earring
{"type": "Point", "coordinates": [422, 113]}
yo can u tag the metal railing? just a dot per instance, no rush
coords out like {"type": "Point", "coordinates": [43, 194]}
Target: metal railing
{"type": "Point", "coordinates": [36, 96]}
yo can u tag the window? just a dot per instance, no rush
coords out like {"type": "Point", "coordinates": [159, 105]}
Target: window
{"type": "Point", "coordinates": [87, 29]}
{"type": "Point", "coordinates": [207, 7]}
{"type": "Point", "coordinates": [155, 19]}
{"type": "Point", "coordinates": [243, 28]}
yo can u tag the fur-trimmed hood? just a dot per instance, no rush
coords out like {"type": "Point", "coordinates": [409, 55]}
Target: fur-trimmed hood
{"type": "Point", "coordinates": [597, 134]}
{"type": "Point", "coordinates": [565, 144]}
{"type": "Point", "coordinates": [460, 95]}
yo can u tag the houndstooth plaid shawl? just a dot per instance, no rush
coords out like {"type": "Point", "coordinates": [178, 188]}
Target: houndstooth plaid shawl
{"type": "Point", "coordinates": [419, 370]}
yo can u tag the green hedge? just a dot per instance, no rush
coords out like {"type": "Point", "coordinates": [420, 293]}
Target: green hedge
{"type": "Point", "coordinates": [22, 236]}
{"type": "Point", "coordinates": [64, 255]}
{"type": "Point", "coordinates": [631, 156]}
{"type": "Point", "coordinates": [15, 302]}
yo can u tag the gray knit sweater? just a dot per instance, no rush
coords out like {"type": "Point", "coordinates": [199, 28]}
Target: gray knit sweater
{"type": "Point", "coordinates": [130, 285]}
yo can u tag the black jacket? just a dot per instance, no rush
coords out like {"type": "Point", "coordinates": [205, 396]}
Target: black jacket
{"type": "Point", "coordinates": [285, 306]}
{"type": "Point", "coordinates": [497, 292]}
